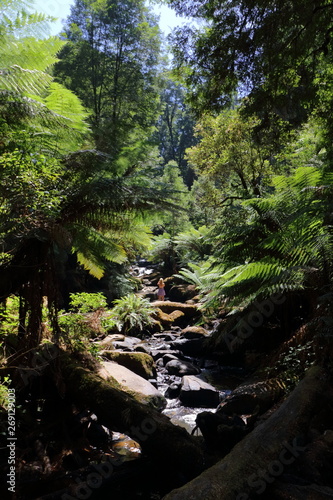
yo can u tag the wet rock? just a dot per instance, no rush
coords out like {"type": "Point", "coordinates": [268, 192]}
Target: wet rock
{"type": "Point", "coordinates": [153, 382]}
{"type": "Point", "coordinates": [182, 293]}
{"type": "Point", "coordinates": [173, 391]}
{"type": "Point", "coordinates": [189, 347]}
{"type": "Point", "coordinates": [108, 342]}
{"type": "Point", "coordinates": [167, 336]}
{"type": "Point", "coordinates": [197, 393]}
{"type": "Point", "coordinates": [138, 387]}
{"type": "Point", "coordinates": [194, 332]}
{"type": "Point", "coordinates": [159, 353]}
{"type": "Point", "coordinates": [143, 348]}
{"type": "Point", "coordinates": [169, 357]}
{"type": "Point", "coordinates": [127, 344]}
{"type": "Point", "coordinates": [180, 368]}
{"type": "Point", "coordinates": [160, 363]}
{"type": "Point", "coordinates": [148, 292]}
{"type": "Point", "coordinates": [138, 362]}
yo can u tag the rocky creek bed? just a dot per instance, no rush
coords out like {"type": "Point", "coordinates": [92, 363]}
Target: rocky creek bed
{"type": "Point", "coordinates": [161, 417]}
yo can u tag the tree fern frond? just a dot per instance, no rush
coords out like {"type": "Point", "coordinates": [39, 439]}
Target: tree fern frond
{"type": "Point", "coordinates": [65, 104]}
{"type": "Point", "coordinates": [25, 81]}
{"type": "Point", "coordinates": [90, 265]}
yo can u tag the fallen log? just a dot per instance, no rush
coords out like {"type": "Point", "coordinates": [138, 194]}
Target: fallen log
{"type": "Point", "coordinates": [168, 445]}
{"type": "Point", "coordinates": [266, 452]}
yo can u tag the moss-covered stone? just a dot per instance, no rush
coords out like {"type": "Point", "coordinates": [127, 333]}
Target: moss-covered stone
{"type": "Point", "coordinates": [190, 310]}
{"type": "Point", "coordinates": [131, 383]}
{"type": "Point", "coordinates": [168, 319]}
{"type": "Point", "coordinates": [138, 362]}
{"type": "Point", "coordinates": [194, 332]}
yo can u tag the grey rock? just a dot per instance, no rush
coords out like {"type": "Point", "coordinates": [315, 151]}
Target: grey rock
{"type": "Point", "coordinates": [178, 367]}
{"type": "Point", "coordinates": [157, 353]}
{"type": "Point", "coordinates": [172, 391]}
{"type": "Point", "coordinates": [133, 384]}
{"type": "Point", "coordinates": [197, 393]}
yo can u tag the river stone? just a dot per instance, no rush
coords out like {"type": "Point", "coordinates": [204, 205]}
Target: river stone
{"type": "Point", "coordinates": [108, 341]}
{"type": "Point", "coordinates": [160, 353]}
{"type": "Point", "coordinates": [167, 319]}
{"type": "Point", "coordinates": [169, 357]}
{"type": "Point", "coordinates": [189, 310]}
{"type": "Point", "coordinates": [143, 348]}
{"type": "Point", "coordinates": [127, 344]}
{"type": "Point", "coordinates": [131, 383]}
{"type": "Point", "coordinates": [194, 332]}
{"type": "Point", "coordinates": [173, 391]}
{"type": "Point", "coordinates": [138, 362]}
{"type": "Point", "coordinates": [189, 347]}
{"type": "Point", "coordinates": [166, 336]}
{"type": "Point", "coordinates": [197, 393]}
{"type": "Point", "coordinates": [180, 368]}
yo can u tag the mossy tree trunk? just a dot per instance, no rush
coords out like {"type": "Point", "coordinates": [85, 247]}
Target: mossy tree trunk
{"type": "Point", "coordinates": [266, 452]}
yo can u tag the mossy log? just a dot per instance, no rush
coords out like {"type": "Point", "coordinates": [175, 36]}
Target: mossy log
{"type": "Point", "coordinates": [170, 446]}
{"type": "Point", "coordinates": [265, 453]}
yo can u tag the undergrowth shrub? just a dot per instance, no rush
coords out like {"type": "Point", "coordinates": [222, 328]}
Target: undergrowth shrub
{"type": "Point", "coordinates": [132, 313]}
{"type": "Point", "coordinates": [87, 318]}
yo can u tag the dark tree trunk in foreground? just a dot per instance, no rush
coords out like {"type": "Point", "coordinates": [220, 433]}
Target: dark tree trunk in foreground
{"type": "Point", "coordinates": [266, 452]}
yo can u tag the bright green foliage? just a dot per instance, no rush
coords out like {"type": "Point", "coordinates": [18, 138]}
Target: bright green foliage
{"type": "Point", "coordinates": [199, 275]}
{"type": "Point", "coordinates": [9, 313]}
{"type": "Point", "coordinates": [132, 313]}
{"type": "Point", "coordinates": [87, 302]}
{"type": "Point", "coordinates": [4, 386]}
{"type": "Point", "coordinates": [49, 113]}
{"type": "Point", "coordinates": [228, 155]}
{"type": "Point", "coordinates": [29, 193]}
{"type": "Point", "coordinates": [193, 245]}
{"type": "Point", "coordinates": [87, 318]}
{"type": "Point", "coordinates": [292, 251]}
{"type": "Point", "coordinates": [110, 61]}
{"type": "Point", "coordinates": [204, 201]}
{"type": "Point", "coordinates": [176, 220]}
{"type": "Point", "coordinates": [51, 204]}
{"type": "Point", "coordinates": [175, 128]}
{"type": "Point", "coordinates": [163, 250]}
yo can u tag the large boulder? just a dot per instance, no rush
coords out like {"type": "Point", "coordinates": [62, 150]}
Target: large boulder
{"type": "Point", "coordinates": [160, 353]}
{"type": "Point", "coordinates": [168, 319]}
{"type": "Point", "coordinates": [190, 310]}
{"type": "Point", "coordinates": [180, 368]}
{"type": "Point", "coordinates": [127, 344]}
{"type": "Point", "coordinates": [131, 383]}
{"type": "Point", "coordinates": [197, 393]}
{"type": "Point", "coordinates": [182, 293]}
{"type": "Point", "coordinates": [194, 332]}
{"type": "Point", "coordinates": [138, 362]}
{"type": "Point", "coordinates": [189, 347]}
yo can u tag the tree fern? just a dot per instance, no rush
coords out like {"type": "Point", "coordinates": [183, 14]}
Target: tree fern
{"type": "Point", "coordinates": [293, 254]}
{"type": "Point", "coordinates": [29, 96]}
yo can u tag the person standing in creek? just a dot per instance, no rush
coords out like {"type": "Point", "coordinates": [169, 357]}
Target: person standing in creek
{"type": "Point", "coordinates": [160, 291]}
